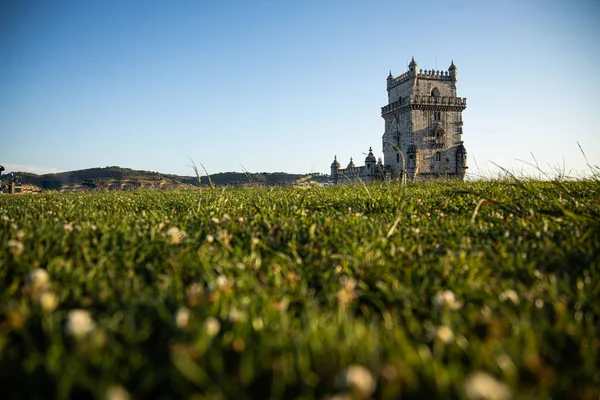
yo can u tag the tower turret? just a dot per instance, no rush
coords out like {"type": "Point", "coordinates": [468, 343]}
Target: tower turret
{"type": "Point", "coordinates": [335, 166]}
{"type": "Point", "coordinates": [351, 165]}
{"type": "Point", "coordinates": [413, 68]}
{"type": "Point", "coordinates": [453, 71]}
{"type": "Point", "coordinates": [370, 162]}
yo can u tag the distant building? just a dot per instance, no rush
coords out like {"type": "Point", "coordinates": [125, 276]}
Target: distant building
{"type": "Point", "coordinates": [423, 130]}
{"type": "Point", "coordinates": [372, 170]}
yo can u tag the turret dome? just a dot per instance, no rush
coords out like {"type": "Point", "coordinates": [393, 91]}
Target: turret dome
{"type": "Point", "coordinates": [335, 163]}
{"type": "Point", "coordinates": [370, 157]}
{"type": "Point", "coordinates": [351, 164]}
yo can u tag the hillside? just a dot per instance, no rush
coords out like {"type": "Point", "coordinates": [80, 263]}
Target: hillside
{"type": "Point", "coordinates": [117, 178]}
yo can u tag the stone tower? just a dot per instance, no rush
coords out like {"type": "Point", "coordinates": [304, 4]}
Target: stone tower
{"type": "Point", "coordinates": [423, 125]}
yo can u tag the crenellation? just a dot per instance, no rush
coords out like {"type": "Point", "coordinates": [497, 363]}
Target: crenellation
{"type": "Point", "coordinates": [392, 82]}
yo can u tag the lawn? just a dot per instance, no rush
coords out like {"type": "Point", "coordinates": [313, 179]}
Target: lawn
{"type": "Point", "coordinates": [480, 290]}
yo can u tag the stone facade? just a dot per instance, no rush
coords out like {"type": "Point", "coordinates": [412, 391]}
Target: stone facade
{"type": "Point", "coordinates": [423, 126]}
{"type": "Point", "coordinates": [372, 170]}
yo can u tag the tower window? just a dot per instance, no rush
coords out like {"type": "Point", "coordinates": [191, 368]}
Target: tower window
{"type": "Point", "coordinates": [435, 92]}
{"type": "Point", "coordinates": [438, 156]}
{"type": "Point", "coordinates": [437, 115]}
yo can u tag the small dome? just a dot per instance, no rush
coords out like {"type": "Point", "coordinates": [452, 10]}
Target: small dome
{"type": "Point", "coordinates": [335, 163]}
{"type": "Point", "coordinates": [370, 157]}
{"type": "Point", "coordinates": [452, 66]}
{"type": "Point", "coordinates": [351, 164]}
{"type": "Point", "coordinates": [412, 63]}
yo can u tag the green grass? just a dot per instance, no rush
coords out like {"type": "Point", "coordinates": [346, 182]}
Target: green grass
{"type": "Point", "coordinates": [285, 288]}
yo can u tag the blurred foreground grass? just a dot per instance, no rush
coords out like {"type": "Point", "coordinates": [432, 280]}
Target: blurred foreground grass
{"type": "Point", "coordinates": [446, 290]}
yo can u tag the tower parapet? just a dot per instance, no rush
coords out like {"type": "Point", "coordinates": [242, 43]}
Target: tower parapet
{"type": "Point", "coordinates": [418, 100]}
{"type": "Point", "coordinates": [428, 74]}
{"type": "Point", "coordinates": [433, 74]}
{"type": "Point", "coordinates": [392, 82]}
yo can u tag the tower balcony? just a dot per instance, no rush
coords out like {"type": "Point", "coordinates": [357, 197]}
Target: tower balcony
{"type": "Point", "coordinates": [419, 100]}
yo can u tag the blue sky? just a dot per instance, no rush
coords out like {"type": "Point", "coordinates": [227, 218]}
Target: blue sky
{"type": "Point", "coordinates": [286, 85]}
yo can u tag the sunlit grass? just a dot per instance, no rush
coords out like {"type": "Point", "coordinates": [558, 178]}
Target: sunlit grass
{"type": "Point", "coordinates": [431, 290]}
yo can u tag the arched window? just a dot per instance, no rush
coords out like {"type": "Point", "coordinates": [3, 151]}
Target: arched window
{"type": "Point", "coordinates": [438, 156]}
{"type": "Point", "coordinates": [435, 92]}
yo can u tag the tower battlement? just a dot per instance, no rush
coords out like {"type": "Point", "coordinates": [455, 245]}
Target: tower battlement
{"type": "Point", "coordinates": [417, 100]}
{"type": "Point", "coordinates": [429, 74]}
{"type": "Point", "coordinates": [391, 82]}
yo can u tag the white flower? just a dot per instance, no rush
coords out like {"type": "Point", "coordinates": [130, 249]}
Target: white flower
{"type": "Point", "coordinates": [182, 317]}
{"type": "Point", "coordinates": [48, 300]}
{"type": "Point", "coordinates": [347, 292]}
{"type": "Point", "coordinates": [210, 238]}
{"type": "Point", "coordinates": [117, 392]}
{"type": "Point", "coordinates": [258, 324]}
{"type": "Point", "coordinates": [339, 396]}
{"type": "Point", "coordinates": [195, 294]}
{"type": "Point", "coordinates": [539, 303]}
{"type": "Point", "coordinates": [348, 283]}
{"type": "Point", "coordinates": [38, 279]}
{"type": "Point", "coordinates": [358, 379]}
{"type": "Point", "coordinates": [68, 227]}
{"type": "Point", "coordinates": [236, 315]}
{"type": "Point", "coordinates": [510, 295]}
{"type": "Point", "coordinates": [446, 299]}
{"type": "Point", "coordinates": [79, 323]}
{"type": "Point", "coordinates": [175, 235]}
{"type": "Point", "coordinates": [223, 283]}
{"type": "Point", "coordinates": [482, 386]}
{"type": "Point", "coordinates": [212, 326]}
{"type": "Point", "coordinates": [15, 247]}
{"type": "Point", "coordinates": [444, 334]}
